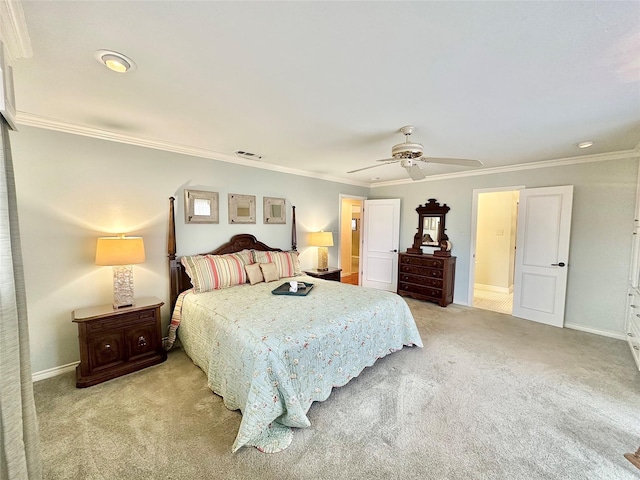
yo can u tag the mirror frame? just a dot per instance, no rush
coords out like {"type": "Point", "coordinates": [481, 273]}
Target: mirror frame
{"type": "Point", "coordinates": [430, 209]}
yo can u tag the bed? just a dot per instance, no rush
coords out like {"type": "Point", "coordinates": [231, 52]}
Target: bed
{"type": "Point", "coordinates": [272, 356]}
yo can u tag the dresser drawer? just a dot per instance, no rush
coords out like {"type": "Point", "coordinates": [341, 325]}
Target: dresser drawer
{"type": "Point", "coordinates": [435, 293]}
{"type": "Point", "coordinates": [420, 280]}
{"type": "Point", "coordinates": [122, 321]}
{"type": "Point", "coordinates": [422, 271]}
{"type": "Point", "coordinates": [633, 337]}
{"type": "Point", "coordinates": [421, 261]}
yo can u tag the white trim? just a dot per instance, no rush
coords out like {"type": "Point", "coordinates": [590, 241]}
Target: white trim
{"type": "Point", "coordinates": [596, 331]}
{"type": "Point", "coordinates": [13, 30]}
{"type": "Point", "coordinates": [53, 372]}
{"type": "Point", "coordinates": [598, 157]}
{"type": "Point", "coordinates": [32, 120]}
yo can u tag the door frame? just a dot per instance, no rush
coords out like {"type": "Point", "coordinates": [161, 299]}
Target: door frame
{"type": "Point", "coordinates": [474, 232]}
{"type": "Point", "coordinates": [344, 196]}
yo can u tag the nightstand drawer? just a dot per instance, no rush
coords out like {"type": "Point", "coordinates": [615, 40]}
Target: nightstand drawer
{"type": "Point", "coordinates": [122, 321]}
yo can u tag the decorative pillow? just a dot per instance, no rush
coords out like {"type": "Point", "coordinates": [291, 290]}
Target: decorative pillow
{"type": "Point", "coordinates": [269, 271]}
{"type": "Point", "coordinates": [287, 263]}
{"type": "Point", "coordinates": [254, 272]}
{"type": "Point", "coordinates": [212, 272]}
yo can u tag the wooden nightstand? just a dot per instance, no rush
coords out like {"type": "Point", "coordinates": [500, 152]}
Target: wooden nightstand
{"type": "Point", "coordinates": [117, 342]}
{"type": "Point", "coordinates": [331, 274]}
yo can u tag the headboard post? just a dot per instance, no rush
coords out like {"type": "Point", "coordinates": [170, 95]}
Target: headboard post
{"type": "Point", "coordinates": [294, 235]}
{"type": "Point", "coordinates": [174, 267]}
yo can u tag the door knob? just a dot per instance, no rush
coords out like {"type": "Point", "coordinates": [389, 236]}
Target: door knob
{"type": "Point", "coordinates": [561, 264]}
{"type": "Point", "coordinates": [395, 250]}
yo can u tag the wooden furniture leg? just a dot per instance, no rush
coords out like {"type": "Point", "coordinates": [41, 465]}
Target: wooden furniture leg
{"type": "Point", "coordinates": [634, 458]}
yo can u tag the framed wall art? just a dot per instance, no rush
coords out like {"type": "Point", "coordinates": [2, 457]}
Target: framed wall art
{"type": "Point", "coordinates": [242, 208]}
{"type": "Point", "coordinates": [274, 210]}
{"type": "Point", "coordinates": [200, 206]}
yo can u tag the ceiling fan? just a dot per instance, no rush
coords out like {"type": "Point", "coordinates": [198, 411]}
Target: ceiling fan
{"type": "Point", "coordinates": [409, 154]}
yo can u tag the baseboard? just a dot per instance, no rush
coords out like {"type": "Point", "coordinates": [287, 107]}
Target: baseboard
{"type": "Point", "coordinates": [492, 288]}
{"type": "Point", "coordinates": [595, 331]}
{"type": "Point", "coordinates": [53, 372]}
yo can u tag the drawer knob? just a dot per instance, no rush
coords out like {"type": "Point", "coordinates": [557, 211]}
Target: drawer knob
{"type": "Point", "coordinates": [142, 342]}
{"type": "Point", "coordinates": [632, 306]}
{"type": "Point", "coordinates": [635, 347]}
{"type": "Point", "coordinates": [107, 346]}
{"type": "Point", "coordinates": [630, 334]}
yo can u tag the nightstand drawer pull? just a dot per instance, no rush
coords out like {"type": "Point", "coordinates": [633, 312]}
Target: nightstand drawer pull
{"type": "Point", "coordinates": [635, 347]}
{"type": "Point", "coordinates": [107, 346]}
{"type": "Point", "coordinates": [142, 342]}
{"type": "Point", "coordinates": [630, 334]}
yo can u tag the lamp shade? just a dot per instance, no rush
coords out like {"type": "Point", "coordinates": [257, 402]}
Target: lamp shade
{"type": "Point", "coordinates": [321, 239]}
{"type": "Point", "coordinates": [119, 250]}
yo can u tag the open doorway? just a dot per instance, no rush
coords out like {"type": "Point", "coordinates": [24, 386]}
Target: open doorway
{"type": "Point", "coordinates": [350, 239]}
{"type": "Point", "coordinates": [494, 249]}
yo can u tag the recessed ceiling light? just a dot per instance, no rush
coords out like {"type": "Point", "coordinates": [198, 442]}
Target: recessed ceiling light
{"type": "Point", "coordinates": [115, 61]}
{"type": "Point", "coordinates": [586, 144]}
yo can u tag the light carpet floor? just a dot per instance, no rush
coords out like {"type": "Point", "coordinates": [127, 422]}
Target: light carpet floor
{"type": "Point", "coordinates": [488, 397]}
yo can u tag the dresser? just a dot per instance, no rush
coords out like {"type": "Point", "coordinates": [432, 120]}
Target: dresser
{"type": "Point", "coordinates": [427, 277]}
{"type": "Point", "coordinates": [117, 342]}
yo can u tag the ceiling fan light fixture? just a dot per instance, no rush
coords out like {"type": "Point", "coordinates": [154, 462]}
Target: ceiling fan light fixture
{"type": "Point", "coordinates": [407, 150]}
{"type": "Point", "coordinates": [115, 61]}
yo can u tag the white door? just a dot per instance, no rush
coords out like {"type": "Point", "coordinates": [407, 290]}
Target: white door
{"type": "Point", "coordinates": [542, 254]}
{"type": "Point", "coordinates": [380, 243]}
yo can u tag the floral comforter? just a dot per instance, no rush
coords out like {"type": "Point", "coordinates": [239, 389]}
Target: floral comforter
{"type": "Point", "coordinates": [272, 356]}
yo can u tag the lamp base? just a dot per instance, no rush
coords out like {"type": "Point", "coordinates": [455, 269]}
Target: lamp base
{"type": "Point", "coordinates": [323, 262]}
{"type": "Point", "coordinates": [123, 286]}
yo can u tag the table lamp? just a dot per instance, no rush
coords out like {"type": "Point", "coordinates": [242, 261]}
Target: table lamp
{"type": "Point", "coordinates": [322, 240]}
{"type": "Point", "coordinates": [121, 253]}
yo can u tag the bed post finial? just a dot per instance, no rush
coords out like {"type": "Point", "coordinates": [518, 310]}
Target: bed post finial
{"type": "Point", "coordinates": [294, 235]}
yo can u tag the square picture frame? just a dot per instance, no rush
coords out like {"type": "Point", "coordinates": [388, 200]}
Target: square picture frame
{"type": "Point", "coordinates": [274, 210]}
{"type": "Point", "coordinates": [201, 206]}
{"type": "Point", "coordinates": [242, 208]}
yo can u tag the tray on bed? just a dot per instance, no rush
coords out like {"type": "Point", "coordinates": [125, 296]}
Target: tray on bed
{"type": "Point", "coordinates": [284, 289]}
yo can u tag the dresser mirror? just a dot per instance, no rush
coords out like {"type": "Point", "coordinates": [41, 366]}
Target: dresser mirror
{"type": "Point", "coordinates": [431, 227]}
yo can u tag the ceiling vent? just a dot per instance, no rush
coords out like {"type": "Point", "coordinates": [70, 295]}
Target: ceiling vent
{"type": "Point", "coordinates": [249, 155]}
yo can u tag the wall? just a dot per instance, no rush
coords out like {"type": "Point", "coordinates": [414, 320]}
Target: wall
{"type": "Point", "coordinates": [73, 189]}
{"type": "Point", "coordinates": [604, 201]}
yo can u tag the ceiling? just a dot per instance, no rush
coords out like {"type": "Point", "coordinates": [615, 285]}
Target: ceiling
{"type": "Point", "coordinates": [324, 87]}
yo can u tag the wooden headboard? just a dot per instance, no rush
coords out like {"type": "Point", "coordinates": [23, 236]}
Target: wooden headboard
{"type": "Point", "coordinates": [179, 280]}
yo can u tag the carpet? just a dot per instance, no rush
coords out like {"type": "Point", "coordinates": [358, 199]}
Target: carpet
{"type": "Point", "coordinates": [488, 397]}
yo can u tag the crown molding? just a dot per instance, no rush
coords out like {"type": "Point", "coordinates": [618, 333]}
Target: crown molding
{"type": "Point", "coordinates": [598, 157]}
{"type": "Point", "coordinates": [31, 120]}
{"type": "Point", "coordinates": [13, 30]}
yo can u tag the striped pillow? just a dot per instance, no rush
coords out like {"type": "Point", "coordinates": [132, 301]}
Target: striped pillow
{"type": "Point", "coordinates": [287, 262]}
{"type": "Point", "coordinates": [213, 272]}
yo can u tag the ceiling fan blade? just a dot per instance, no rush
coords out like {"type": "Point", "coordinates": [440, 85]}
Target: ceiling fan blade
{"type": "Point", "coordinates": [465, 162]}
{"type": "Point", "coordinates": [415, 172]}
{"type": "Point", "coordinates": [389, 160]}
